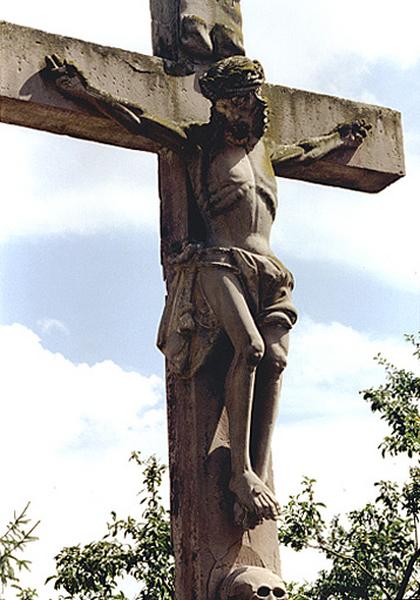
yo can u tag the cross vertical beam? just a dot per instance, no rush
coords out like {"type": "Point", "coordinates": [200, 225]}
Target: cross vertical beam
{"type": "Point", "coordinates": [196, 31]}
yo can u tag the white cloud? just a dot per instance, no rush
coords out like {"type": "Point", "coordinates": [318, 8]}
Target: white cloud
{"type": "Point", "coordinates": [94, 21]}
{"type": "Point", "coordinates": [329, 363]}
{"type": "Point", "coordinates": [50, 325]}
{"type": "Point", "coordinates": [56, 197]}
{"type": "Point", "coordinates": [66, 433]}
{"type": "Point", "coordinates": [75, 398]}
{"type": "Point", "coordinates": [297, 42]}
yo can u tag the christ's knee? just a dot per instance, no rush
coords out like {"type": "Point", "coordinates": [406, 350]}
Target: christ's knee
{"type": "Point", "coordinates": [275, 360]}
{"type": "Point", "coordinates": [251, 352]}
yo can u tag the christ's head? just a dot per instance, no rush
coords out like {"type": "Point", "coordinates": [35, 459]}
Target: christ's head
{"type": "Point", "coordinates": [234, 87]}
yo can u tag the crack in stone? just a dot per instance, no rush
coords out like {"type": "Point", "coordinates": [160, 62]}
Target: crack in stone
{"type": "Point", "coordinates": [217, 561]}
{"type": "Point", "coordinates": [137, 69]}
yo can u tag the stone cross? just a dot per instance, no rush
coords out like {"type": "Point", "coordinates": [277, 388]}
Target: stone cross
{"type": "Point", "coordinates": [225, 543]}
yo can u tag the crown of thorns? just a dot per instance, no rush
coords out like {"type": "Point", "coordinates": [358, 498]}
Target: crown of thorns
{"type": "Point", "coordinates": [233, 76]}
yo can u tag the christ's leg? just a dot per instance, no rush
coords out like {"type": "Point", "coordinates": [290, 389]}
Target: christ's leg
{"type": "Point", "coordinates": [255, 501]}
{"type": "Point", "coordinates": [267, 394]}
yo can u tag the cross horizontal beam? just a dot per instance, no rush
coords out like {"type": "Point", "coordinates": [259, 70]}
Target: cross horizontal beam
{"type": "Point", "coordinates": [378, 162]}
{"type": "Point", "coordinates": [27, 100]}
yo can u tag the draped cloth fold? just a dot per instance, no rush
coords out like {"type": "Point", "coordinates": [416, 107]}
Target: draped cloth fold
{"type": "Point", "coordinates": [189, 328]}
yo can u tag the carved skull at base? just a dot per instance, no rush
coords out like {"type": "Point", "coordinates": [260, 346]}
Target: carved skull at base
{"type": "Point", "coordinates": [252, 583]}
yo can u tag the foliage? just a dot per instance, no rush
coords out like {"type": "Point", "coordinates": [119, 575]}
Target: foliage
{"type": "Point", "coordinates": [141, 549]}
{"type": "Point", "coordinates": [374, 552]}
{"type": "Point", "coordinates": [19, 533]}
{"type": "Point", "coordinates": [397, 402]}
{"type": "Point", "coordinates": [26, 593]}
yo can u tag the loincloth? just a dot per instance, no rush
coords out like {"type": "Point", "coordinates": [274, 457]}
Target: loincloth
{"type": "Point", "coordinates": [189, 327]}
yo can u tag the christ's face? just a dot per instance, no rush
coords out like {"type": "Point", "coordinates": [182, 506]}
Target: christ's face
{"type": "Point", "coordinates": [245, 117]}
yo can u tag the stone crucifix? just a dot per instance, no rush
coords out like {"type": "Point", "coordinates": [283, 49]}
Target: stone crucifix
{"type": "Point", "coordinates": [222, 135]}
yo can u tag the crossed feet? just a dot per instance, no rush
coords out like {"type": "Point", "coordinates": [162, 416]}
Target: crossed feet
{"type": "Point", "coordinates": [254, 501]}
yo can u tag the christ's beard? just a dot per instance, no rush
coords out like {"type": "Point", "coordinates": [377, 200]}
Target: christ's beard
{"type": "Point", "coordinates": [247, 133]}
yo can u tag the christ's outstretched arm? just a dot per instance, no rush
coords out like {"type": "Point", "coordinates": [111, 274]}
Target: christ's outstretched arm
{"type": "Point", "coordinates": [73, 83]}
{"type": "Point", "coordinates": [346, 135]}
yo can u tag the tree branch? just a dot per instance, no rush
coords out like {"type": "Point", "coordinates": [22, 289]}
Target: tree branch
{"type": "Point", "coordinates": [407, 575]}
{"type": "Point", "coordinates": [329, 550]}
{"type": "Point", "coordinates": [18, 541]}
{"type": "Point", "coordinates": [14, 523]}
{"type": "Point", "coordinates": [300, 597]}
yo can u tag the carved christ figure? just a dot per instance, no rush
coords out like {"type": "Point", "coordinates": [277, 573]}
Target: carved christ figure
{"type": "Point", "coordinates": [230, 282]}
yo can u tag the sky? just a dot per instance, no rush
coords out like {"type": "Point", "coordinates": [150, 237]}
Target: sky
{"type": "Point", "coordinates": [81, 288]}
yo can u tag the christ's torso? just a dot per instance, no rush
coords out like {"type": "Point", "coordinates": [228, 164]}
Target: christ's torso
{"type": "Point", "coordinates": [239, 198]}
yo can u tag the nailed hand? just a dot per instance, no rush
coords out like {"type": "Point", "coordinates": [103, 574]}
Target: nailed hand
{"type": "Point", "coordinates": [66, 76]}
{"type": "Point", "coordinates": [354, 133]}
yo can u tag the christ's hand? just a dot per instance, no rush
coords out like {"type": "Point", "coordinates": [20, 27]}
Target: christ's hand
{"type": "Point", "coordinates": [353, 134]}
{"type": "Point", "coordinates": [67, 77]}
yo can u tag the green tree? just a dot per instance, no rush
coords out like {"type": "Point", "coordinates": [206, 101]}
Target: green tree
{"type": "Point", "coordinates": [374, 552]}
{"type": "Point", "coordinates": [140, 549]}
{"type": "Point", "coordinates": [18, 534]}
{"type": "Point", "coordinates": [397, 402]}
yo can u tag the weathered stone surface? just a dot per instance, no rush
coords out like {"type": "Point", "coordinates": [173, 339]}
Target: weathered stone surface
{"type": "Point", "coordinates": [165, 28]}
{"type": "Point", "coordinates": [26, 100]}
